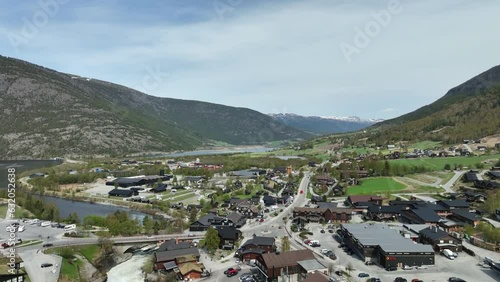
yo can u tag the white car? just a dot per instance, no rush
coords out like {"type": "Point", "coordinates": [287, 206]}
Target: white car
{"type": "Point", "coordinates": [407, 267]}
{"type": "Point", "coordinates": [324, 251]}
{"type": "Point", "coordinates": [421, 267]}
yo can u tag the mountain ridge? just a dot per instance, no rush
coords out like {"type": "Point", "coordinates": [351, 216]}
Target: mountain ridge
{"type": "Point", "coordinates": [48, 113]}
{"type": "Point", "coordinates": [323, 125]}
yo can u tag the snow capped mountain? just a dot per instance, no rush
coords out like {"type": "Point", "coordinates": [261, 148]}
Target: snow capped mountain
{"type": "Point", "coordinates": [324, 124]}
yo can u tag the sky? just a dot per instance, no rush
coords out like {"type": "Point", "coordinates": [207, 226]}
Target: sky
{"type": "Point", "coordinates": [371, 59]}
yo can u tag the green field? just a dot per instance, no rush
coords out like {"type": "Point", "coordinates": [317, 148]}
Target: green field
{"type": "Point", "coordinates": [376, 186]}
{"type": "Point", "coordinates": [439, 163]}
{"type": "Point", "coordinates": [425, 145]}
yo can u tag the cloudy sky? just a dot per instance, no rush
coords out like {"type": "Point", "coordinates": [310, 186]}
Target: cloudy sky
{"type": "Point", "coordinates": [372, 59]}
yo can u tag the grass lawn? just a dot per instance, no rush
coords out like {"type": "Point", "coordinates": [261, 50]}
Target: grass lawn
{"type": "Point", "coordinates": [308, 195]}
{"type": "Point", "coordinates": [425, 145]}
{"type": "Point", "coordinates": [439, 163]}
{"type": "Point", "coordinates": [376, 186]}
{"type": "Point", "coordinates": [182, 197]}
{"type": "Point", "coordinates": [70, 269]}
{"type": "Point", "coordinates": [3, 210]}
{"type": "Point", "coordinates": [90, 252]}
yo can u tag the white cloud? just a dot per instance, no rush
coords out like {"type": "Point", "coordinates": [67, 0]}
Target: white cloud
{"type": "Point", "coordinates": [281, 55]}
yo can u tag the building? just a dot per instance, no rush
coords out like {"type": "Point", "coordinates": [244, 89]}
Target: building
{"type": "Point", "coordinates": [177, 256]}
{"type": "Point", "coordinates": [380, 213]}
{"type": "Point", "coordinates": [309, 268]}
{"type": "Point", "coordinates": [211, 219]}
{"type": "Point", "coordinates": [383, 245]}
{"type": "Point", "coordinates": [21, 277]}
{"type": "Point", "coordinates": [466, 217]}
{"type": "Point", "coordinates": [191, 270]}
{"type": "Point", "coordinates": [355, 200]}
{"type": "Point", "coordinates": [272, 266]}
{"type": "Point", "coordinates": [440, 239]}
{"type": "Point", "coordinates": [316, 277]}
{"type": "Point", "coordinates": [454, 204]}
{"type": "Point", "coordinates": [228, 236]}
{"type": "Point", "coordinates": [421, 215]}
{"type": "Point", "coordinates": [338, 215]}
{"type": "Point", "coordinates": [122, 193]}
{"type": "Point", "coordinates": [256, 246]}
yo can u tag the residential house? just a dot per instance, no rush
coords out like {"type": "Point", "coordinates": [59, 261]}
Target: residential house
{"type": "Point", "coordinates": [454, 204]}
{"type": "Point", "coordinates": [494, 174]}
{"type": "Point", "coordinates": [316, 277]}
{"type": "Point", "coordinates": [342, 215]}
{"type": "Point", "coordinates": [269, 200]}
{"type": "Point", "coordinates": [380, 213]}
{"type": "Point", "coordinates": [440, 239]}
{"type": "Point", "coordinates": [470, 177]}
{"type": "Point", "coordinates": [421, 215]}
{"type": "Point", "coordinates": [228, 235]}
{"type": "Point", "coordinates": [256, 246]}
{"type": "Point", "coordinates": [474, 197]}
{"type": "Point", "coordinates": [191, 270]}
{"type": "Point", "coordinates": [194, 180]}
{"type": "Point", "coordinates": [271, 265]}
{"type": "Point", "coordinates": [236, 219]}
{"type": "Point", "coordinates": [173, 244]}
{"type": "Point", "coordinates": [353, 200]}
{"type": "Point", "coordinates": [450, 226]}
{"type": "Point", "coordinates": [466, 216]}
{"type": "Point", "coordinates": [204, 222]}
{"type": "Point", "coordinates": [160, 258]}
{"type": "Point", "coordinates": [486, 184]}
{"type": "Point", "coordinates": [309, 214]}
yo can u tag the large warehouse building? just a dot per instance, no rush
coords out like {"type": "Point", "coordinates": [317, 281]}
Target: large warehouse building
{"type": "Point", "coordinates": [385, 246]}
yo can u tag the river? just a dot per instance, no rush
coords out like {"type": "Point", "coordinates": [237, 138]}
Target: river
{"type": "Point", "coordinates": [66, 207]}
{"type": "Point", "coordinates": [129, 271]}
{"type": "Point", "coordinates": [249, 149]}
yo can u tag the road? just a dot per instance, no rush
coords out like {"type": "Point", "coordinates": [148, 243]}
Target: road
{"type": "Point", "coordinates": [457, 176]}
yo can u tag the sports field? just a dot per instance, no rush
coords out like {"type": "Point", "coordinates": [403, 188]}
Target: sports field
{"type": "Point", "coordinates": [375, 186]}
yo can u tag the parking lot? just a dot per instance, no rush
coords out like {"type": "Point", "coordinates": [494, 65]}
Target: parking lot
{"type": "Point", "coordinates": [31, 232]}
{"type": "Point", "coordinates": [465, 266]}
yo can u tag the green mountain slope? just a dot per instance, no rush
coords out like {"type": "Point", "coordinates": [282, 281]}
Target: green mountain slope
{"type": "Point", "coordinates": [46, 113]}
{"type": "Point", "coordinates": [468, 111]}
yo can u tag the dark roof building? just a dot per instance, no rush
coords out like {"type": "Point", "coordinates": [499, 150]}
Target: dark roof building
{"type": "Point", "coordinates": [354, 200]}
{"type": "Point", "coordinates": [122, 193]}
{"type": "Point", "coordinates": [166, 256]}
{"type": "Point", "coordinates": [173, 244]}
{"type": "Point", "coordinates": [440, 239]}
{"type": "Point", "coordinates": [454, 204]}
{"type": "Point", "coordinates": [466, 216]}
{"type": "Point", "coordinates": [271, 265]}
{"type": "Point", "coordinates": [380, 243]}
{"type": "Point", "coordinates": [421, 215]}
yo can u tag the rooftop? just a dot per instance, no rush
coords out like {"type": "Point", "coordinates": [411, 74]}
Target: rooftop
{"type": "Point", "coordinates": [311, 264]}
{"type": "Point", "coordinates": [385, 237]}
{"type": "Point", "coordinates": [286, 259]}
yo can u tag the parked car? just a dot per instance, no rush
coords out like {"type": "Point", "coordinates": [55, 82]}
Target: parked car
{"type": "Point", "coordinates": [407, 267]}
{"type": "Point", "coordinates": [44, 265]}
{"type": "Point", "coordinates": [322, 231]}
{"type": "Point", "coordinates": [232, 272]}
{"type": "Point", "coordinates": [416, 280]}
{"type": "Point", "coordinates": [455, 279]}
{"type": "Point", "coordinates": [227, 270]}
{"type": "Point", "coordinates": [5, 245]}
{"type": "Point", "coordinates": [47, 245]}
{"type": "Point", "coordinates": [369, 263]}
{"type": "Point", "coordinates": [421, 267]}
{"type": "Point", "coordinates": [363, 275]}
{"type": "Point", "coordinates": [330, 230]}
{"type": "Point", "coordinates": [373, 279]}
{"type": "Point", "coordinates": [400, 279]}
{"type": "Point", "coordinates": [339, 273]}
{"type": "Point", "coordinates": [391, 268]}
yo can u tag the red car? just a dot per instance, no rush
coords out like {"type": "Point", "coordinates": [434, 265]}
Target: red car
{"type": "Point", "coordinates": [5, 245]}
{"type": "Point", "coordinates": [232, 272]}
{"type": "Point", "coordinates": [301, 191]}
{"type": "Point", "coordinates": [261, 220]}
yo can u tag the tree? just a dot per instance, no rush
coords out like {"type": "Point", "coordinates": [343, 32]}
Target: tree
{"type": "Point", "coordinates": [212, 239]}
{"type": "Point", "coordinates": [331, 268]}
{"type": "Point", "coordinates": [447, 167]}
{"type": "Point", "coordinates": [193, 215]}
{"type": "Point", "coordinates": [147, 223]}
{"type": "Point", "coordinates": [106, 245]}
{"type": "Point", "coordinates": [285, 244]}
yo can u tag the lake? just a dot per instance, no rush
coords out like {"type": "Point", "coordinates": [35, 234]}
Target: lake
{"type": "Point", "coordinates": [252, 149]}
{"type": "Point", "coordinates": [83, 209]}
{"type": "Point", "coordinates": [22, 165]}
